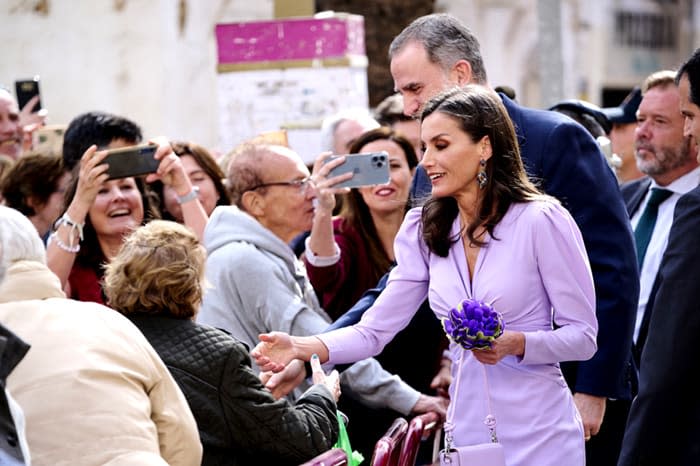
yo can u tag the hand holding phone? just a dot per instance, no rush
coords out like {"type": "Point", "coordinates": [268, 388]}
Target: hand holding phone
{"type": "Point", "coordinates": [367, 169]}
{"type": "Point", "coordinates": [131, 161]}
{"type": "Point", "coordinates": [26, 89]}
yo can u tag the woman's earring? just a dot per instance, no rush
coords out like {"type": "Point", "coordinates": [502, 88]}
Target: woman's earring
{"type": "Point", "coordinates": [481, 177]}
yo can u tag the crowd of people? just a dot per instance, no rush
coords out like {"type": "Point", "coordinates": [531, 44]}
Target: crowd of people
{"type": "Point", "coordinates": [182, 317]}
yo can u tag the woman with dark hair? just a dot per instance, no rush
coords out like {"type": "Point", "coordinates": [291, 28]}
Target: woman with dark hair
{"type": "Point", "coordinates": [36, 185]}
{"type": "Point", "coordinates": [486, 240]}
{"type": "Point", "coordinates": [348, 254]}
{"type": "Point", "coordinates": [156, 280]}
{"type": "Point", "coordinates": [205, 175]}
{"type": "Point", "coordinates": [101, 212]}
{"type": "Point", "coordinates": [363, 236]}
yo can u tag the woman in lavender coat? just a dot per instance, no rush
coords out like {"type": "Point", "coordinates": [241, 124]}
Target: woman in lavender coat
{"type": "Point", "coordinates": [486, 233]}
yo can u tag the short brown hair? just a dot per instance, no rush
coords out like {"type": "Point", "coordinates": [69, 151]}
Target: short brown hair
{"type": "Point", "coordinates": [33, 177]}
{"type": "Point", "coordinates": [158, 270]}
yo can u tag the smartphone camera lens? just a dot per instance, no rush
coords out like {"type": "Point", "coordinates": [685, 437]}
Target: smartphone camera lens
{"type": "Point", "coordinates": [378, 160]}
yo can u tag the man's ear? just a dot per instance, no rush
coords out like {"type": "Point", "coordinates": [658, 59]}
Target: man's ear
{"type": "Point", "coordinates": [461, 73]}
{"type": "Point", "coordinates": [253, 203]}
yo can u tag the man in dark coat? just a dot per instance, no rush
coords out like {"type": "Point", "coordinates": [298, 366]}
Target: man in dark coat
{"type": "Point", "coordinates": [663, 423]}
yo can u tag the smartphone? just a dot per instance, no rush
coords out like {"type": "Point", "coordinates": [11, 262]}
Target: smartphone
{"type": "Point", "coordinates": [131, 161]}
{"type": "Point", "coordinates": [25, 90]}
{"type": "Point", "coordinates": [368, 169]}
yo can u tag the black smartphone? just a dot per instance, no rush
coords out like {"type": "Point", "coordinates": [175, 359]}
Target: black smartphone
{"type": "Point", "coordinates": [367, 169]}
{"type": "Point", "coordinates": [25, 90]}
{"type": "Point", "coordinates": [131, 161]}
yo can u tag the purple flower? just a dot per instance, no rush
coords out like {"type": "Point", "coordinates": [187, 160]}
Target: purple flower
{"type": "Point", "coordinates": [473, 324]}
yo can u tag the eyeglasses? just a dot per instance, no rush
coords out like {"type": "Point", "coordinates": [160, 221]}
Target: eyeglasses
{"type": "Point", "coordinates": [302, 185]}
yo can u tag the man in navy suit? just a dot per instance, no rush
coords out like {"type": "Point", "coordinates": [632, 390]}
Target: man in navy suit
{"type": "Point", "coordinates": [669, 161]}
{"type": "Point", "coordinates": [663, 425]}
{"type": "Point", "coordinates": [436, 52]}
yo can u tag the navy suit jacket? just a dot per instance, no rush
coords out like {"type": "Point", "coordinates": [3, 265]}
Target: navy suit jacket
{"type": "Point", "coordinates": [663, 425]}
{"type": "Point", "coordinates": [566, 162]}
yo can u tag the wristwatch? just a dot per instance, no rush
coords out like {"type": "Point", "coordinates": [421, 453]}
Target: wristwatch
{"type": "Point", "coordinates": [191, 196]}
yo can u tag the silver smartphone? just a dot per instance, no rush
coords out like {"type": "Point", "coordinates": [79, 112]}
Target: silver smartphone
{"type": "Point", "coordinates": [367, 169]}
{"type": "Point", "coordinates": [131, 161]}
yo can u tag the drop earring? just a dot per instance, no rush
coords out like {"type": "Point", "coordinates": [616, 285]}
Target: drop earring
{"type": "Point", "coordinates": [482, 178]}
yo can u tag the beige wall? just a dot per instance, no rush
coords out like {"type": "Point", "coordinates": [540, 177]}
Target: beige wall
{"type": "Point", "coordinates": [155, 61]}
{"type": "Point", "coordinates": [140, 58]}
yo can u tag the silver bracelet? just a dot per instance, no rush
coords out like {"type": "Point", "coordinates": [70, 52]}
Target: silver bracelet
{"type": "Point", "coordinates": [191, 196]}
{"type": "Point", "coordinates": [53, 237]}
{"type": "Point", "coordinates": [66, 220]}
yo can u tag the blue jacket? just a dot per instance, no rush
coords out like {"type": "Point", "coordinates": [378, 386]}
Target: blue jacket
{"type": "Point", "coordinates": [566, 162]}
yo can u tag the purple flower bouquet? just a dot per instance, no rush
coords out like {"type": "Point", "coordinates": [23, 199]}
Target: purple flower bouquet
{"type": "Point", "coordinates": [473, 324]}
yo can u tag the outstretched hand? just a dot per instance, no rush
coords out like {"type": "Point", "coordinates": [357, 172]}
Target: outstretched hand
{"type": "Point", "coordinates": [274, 351]}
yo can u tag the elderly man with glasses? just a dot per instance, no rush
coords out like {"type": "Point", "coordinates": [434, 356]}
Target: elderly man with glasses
{"type": "Point", "coordinates": [258, 285]}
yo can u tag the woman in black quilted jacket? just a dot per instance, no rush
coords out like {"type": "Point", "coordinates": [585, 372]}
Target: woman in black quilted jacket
{"type": "Point", "coordinates": [156, 280]}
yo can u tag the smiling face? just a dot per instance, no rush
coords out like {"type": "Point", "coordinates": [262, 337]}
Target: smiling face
{"type": "Point", "coordinates": [10, 128]}
{"type": "Point", "coordinates": [208, 195]}
{"type": "Point", "coordinates": [451, 157]}
{"type": "Point", "coordinates": [391, 197]}
{"type": "Point", "coordinates": [417, 78]}
{"type": "Point", "coordinates": [118, 208]}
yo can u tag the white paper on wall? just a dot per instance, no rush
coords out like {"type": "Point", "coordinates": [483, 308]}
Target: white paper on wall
{"type": "Point", "coordinates": [295, 99]}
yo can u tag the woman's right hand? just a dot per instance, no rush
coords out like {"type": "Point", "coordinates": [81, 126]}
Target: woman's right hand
{"type": "Point", "coordinates": [91, 177]}
{"type": "Point", "coordinates": [274, 352]}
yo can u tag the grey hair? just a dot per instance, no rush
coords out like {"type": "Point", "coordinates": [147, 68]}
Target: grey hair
{"type": "Point", "coordinates": [446, 41]}
{"type": "Point", "coordinates": [19, 240]}
{"type": "Point", "coordinates": [331, 122]}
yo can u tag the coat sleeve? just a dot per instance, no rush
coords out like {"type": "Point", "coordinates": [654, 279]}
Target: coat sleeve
{"type": "Point", "coordinates": [576, 173]}
{"type": "Point", "coordinates": [262, 426]}
{"type": "Point", "coordinates": [663, 422]}
{"type": "Point", "coordinates": [566, 275]}
{"type": "Point", "coordinates": [354, 314]}
{"type": "Point", "coordinates": [177, 430]}
{"type": "Point", "coordinates": [329, 280]}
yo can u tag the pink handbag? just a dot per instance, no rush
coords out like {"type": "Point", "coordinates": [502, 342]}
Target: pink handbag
{"type": "Point", "coordinates": [487, 454]}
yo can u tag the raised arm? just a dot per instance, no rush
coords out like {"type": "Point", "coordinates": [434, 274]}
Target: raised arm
{"type": "Point", "coordinates": [64, 242]}
{"type": "Point", "coordinates": [172, 173]}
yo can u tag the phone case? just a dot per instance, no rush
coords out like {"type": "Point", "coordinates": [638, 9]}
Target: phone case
{"type": "Point", "coordinates": [131, 161]}
{"type": "Point", "coordinates": [368, 169]}
{"type": "Point", "coordinates": [25, 90]}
